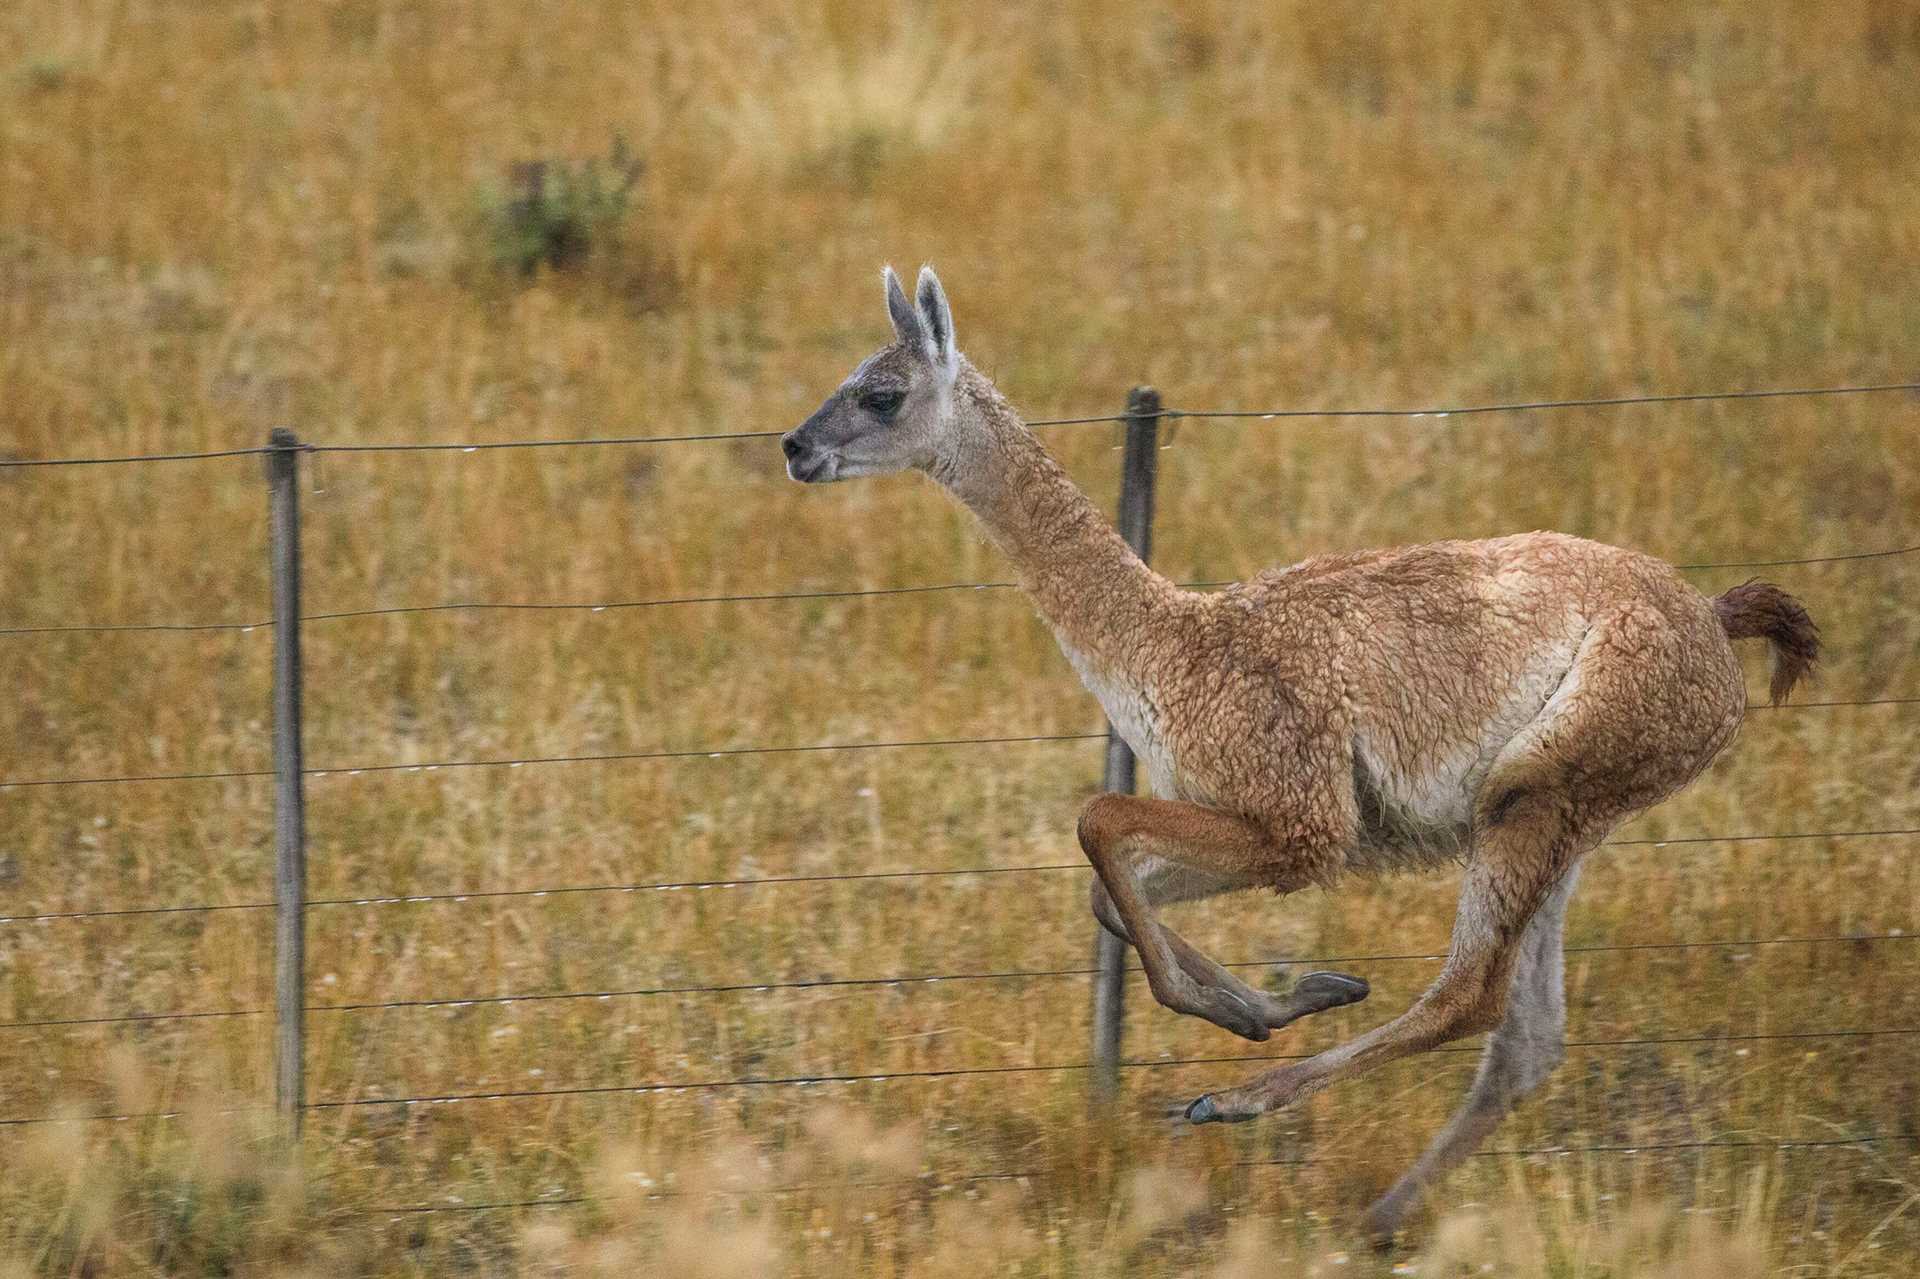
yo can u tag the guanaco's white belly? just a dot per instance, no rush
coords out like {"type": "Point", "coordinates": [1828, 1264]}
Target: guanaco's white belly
{"type": "Point", "coordinates": [1427, 803]}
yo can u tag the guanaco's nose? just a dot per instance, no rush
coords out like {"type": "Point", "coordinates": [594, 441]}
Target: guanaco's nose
{"type": "Point", "coordinates": [790, 445]}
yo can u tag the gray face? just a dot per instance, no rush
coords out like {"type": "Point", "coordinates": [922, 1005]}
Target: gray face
{"type": "Point", "coordinates": [892, 413]}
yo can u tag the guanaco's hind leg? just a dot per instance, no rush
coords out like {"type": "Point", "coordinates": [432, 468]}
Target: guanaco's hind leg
{"type": "Point", "coordinates": [1147, 851]}
{"type": "Point", "coordinates": [1645, 705]}
{"type": "Point", "coordinates": [1517, 861]}
{"type": "Point", "coordinates": [1519, 1056]}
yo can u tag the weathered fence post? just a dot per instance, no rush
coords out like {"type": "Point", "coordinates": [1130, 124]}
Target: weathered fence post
{"type": "Point", "coordinates": [1136, 525]}
{"type": "Point", "coordinates": [289, 797]}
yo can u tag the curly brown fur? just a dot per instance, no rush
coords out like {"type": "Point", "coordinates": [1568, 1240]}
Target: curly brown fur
{"type": "Point", "coordinates": [1761, 610]}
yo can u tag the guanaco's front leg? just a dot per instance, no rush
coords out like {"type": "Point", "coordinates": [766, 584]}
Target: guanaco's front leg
{"type": "Point", "coordinates": [1313, 992]}
{"type": "Point", "coordinates": [1153, 850]}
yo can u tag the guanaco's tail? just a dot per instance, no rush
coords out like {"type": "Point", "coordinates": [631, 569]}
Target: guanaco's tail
{"type": "Point", "coordinates": [1761, 610]}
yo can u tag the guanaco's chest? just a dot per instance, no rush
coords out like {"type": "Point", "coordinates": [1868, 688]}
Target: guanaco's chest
{"type": "Point", "coordinates": [1136, 716]}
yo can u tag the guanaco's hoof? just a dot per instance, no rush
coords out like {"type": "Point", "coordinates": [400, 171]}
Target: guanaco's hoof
{"type": "Point", "coordinates": [1331, 990]}
{"type": "Point", "coordinates": [1202, 1110]}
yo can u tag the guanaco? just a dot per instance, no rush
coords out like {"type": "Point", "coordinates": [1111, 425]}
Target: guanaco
{"type": "Point", "coordinates": [1502, 704]}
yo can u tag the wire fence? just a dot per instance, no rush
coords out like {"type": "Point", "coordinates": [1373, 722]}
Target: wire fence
{"type": "Point", "coordinates": [679, 1086]}
{"type": "Point", "coordinates": [1164, 415]}
{"type": "Point", "coordinates": [900, 980]}
{"type": "Point", "coordinates": [457, 896]}
{"type": "Point", "coordinates": [705, 752]}
{"type": "Point", "coordinates": [1153, 417]}
{"type": "Point", "coordinates": [604, 606]}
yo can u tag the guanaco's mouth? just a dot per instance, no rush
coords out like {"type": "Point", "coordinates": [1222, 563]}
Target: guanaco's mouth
{"type": "Point", "coordinates": [820, 468]}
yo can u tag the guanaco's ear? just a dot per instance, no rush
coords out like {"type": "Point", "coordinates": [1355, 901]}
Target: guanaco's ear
{"type": "Point", "coordinates": [936, 323]}
{"type": "Point", "coordinates": [906, 323]}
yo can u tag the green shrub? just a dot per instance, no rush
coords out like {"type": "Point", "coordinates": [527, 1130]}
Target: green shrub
{"type": "Point", "coordinates": [45, 74]}
{"type": "Point", "coordinates": [561, 214]}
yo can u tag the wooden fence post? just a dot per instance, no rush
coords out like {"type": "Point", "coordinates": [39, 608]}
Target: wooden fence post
{"type": "Point", "coordinates": [289, 795]}
{"type": "Point", "coordinates": [1136, 526]}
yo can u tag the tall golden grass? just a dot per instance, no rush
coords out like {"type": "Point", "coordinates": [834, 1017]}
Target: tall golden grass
{"type": "Point", "coordinates": [218, 217]}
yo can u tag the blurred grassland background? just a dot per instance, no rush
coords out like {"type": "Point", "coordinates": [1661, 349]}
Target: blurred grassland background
{"type": "Point", "coordinates": [376, 220]}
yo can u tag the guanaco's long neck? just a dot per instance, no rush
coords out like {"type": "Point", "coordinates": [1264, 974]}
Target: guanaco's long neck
{"type": "Point", "coordinates": [1085, 580]}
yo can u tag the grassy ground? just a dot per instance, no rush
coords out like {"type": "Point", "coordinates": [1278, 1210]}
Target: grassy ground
{"type": "Point", "coordinates": [219, 217]}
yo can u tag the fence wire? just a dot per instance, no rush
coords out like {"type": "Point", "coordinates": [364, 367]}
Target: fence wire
{"type": "Point", "coordinates": [830, 877]}
{"type": "Point", "coordinates": [1458, 410]}
{"type": "Point", "coordinates": [941, 1073]}
{"type": "Point", "coordinates": [723, 752]}
{"type": "Point", "coordinates": [761, 597]}
{"type": "Point", "coordinates": [903, 980]}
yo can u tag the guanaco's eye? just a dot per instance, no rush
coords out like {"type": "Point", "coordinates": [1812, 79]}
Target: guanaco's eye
{"type": "Point", "coordinates": [882, 403]}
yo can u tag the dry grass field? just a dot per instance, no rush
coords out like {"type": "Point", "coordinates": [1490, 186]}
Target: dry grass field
{"type": "Point", "coordinates": [217, 217]}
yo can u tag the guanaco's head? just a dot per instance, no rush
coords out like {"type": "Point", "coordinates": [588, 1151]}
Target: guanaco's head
{"type": "Point", "coordinates": [893, 412]}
